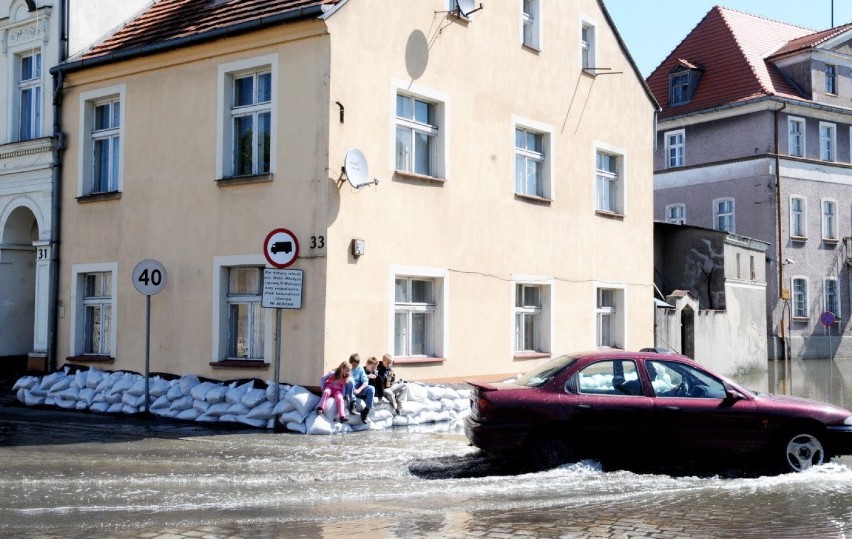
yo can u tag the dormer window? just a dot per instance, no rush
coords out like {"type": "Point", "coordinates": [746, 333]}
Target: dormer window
{"type": "Point", "coordinates": [830, 79]}
{"type": "Point", "coordinates": [683, 80]}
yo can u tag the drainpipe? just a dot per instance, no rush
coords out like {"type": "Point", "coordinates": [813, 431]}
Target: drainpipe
{"type": "Point", "coordinates": [56, 189]}
{"type": "Point", "coordinates": [780, 257]}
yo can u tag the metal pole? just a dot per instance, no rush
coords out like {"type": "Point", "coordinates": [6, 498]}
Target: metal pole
{"type": "Point", "coordinates": [277, 356]}
{"type": "Point", "coordinates": [147, 349]}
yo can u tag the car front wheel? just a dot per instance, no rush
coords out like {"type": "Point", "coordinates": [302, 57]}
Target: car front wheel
{"type": "Point", "coordinates": [802, 450]}
{"type": "Point", "coordinates": [546, 452]}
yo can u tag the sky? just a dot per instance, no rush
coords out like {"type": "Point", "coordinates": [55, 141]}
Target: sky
{"type": "Point", "coordinates": [653, 28]}
{"type": "Point", "coordinates": [92, 18]}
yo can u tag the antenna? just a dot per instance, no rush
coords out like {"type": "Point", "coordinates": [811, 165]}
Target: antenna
{"type": "Point", "coordinates": [356, 170]}
{"type": "Point", "coordinates": [465, 8]}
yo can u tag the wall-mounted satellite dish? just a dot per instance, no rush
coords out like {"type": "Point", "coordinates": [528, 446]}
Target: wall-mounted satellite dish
{"type": "Point", "coordinates": [356, 169]}
{"type": "Point", "coordinates": [465, 8]}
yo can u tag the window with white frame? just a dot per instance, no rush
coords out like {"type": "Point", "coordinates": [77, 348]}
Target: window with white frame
{"type": "Point", "coordinates": [102, 127]}
{"type": "Point", "coordinates": [417, 135]}
{"type": "Point", "coordinates": [609, 182]}
{"type": "Point", "coordinates": [830, 79]}
{"type": "Point", "coordinates": [247, 119]}
{"type": "Point", "coordinates": [676, 214]}
{"type": "Point", "coordinates": [587, 45]}
{"type": "Point", "coordinates": [723, 215]}
{"type": "Point", "coordinates": [829, 220]}
{"type": "Point", "coordinates": [675, 146]}
{"type": "Point", "coordinates": [531, 23]}
{"type": "Point", "coordinates": [831, 296]}
{"type": "Point", "coordinates": [29, 95]}
{"type": "Point", "coordinates": [798, 221]}
{"type": "Point", "coordinates": [606, 315]}
{"type": "Point", "coordinates": [97, 313]}
{"type": "Point", "coordinates": [800, 297]}
{"type": "Point", "coordinates": [415, 313]}
{"type": "Point", "coordinates": [796, 137]}
{"type": "Point", "coordinates": [827, 141]}
{"type": "Point", "coordinates": [531, 151]}
{"type": "Point", "coordinates": [532, 317]}
{"type": "Point", "coordinates": [245, 313]}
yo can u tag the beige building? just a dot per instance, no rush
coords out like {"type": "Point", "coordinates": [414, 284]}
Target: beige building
{"type": "Point", "coordinates": [511, 221]}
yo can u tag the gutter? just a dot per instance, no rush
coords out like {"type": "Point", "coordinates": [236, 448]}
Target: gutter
{"type": "Point", "coordinates": [154, 48]}
{"type": "Point", "coordinates": [56, 190]}
{"type": "Point", "coordinates": [695, 116]}
{"type": "Point", "coordinates": [780, 259]}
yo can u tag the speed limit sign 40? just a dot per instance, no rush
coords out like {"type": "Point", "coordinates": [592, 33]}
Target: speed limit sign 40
{"type": "Point", "coordinates": [149, 277]}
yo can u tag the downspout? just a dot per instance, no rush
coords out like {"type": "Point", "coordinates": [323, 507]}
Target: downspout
{"type": "Point", "coordinates": [56, 188]}
{"type": "Point", "coordinates": [780, 258]}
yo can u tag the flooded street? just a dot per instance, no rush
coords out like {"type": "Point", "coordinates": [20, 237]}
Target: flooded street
{"type": "Point", "coordinates": [67, 474]}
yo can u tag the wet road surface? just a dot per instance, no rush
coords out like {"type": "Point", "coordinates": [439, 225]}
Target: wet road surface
{"type": "Point", "coordinates": [67, 474]}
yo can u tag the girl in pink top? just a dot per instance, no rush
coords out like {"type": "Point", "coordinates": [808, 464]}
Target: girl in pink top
{"type": "Point", "coordinates": [333, 385]}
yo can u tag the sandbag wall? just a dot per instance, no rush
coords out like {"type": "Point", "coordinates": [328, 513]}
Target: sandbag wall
{"type": "Point", "coordinates": [248, 402]}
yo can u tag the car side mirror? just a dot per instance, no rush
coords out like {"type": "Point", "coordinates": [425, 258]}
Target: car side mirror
{"type": "Point", "coordinates": [733, 395]}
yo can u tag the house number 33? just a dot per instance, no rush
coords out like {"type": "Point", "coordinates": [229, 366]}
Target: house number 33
{"type": "Point", "coordinates": [317, 242]}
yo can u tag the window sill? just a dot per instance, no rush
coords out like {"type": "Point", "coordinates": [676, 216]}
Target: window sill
{"type": "Point", "coordinates": [801, 319]}
{"type": "Point", "coordinates": [240, 364]}
{"type": "Point", "coordinates": [534, 199]}
{"type": "Point", "coordinates": [799, 238]}
{"type": "Point", "coordinates": [610, 214]}
{"type": "Point", "coordinates": [531, 355]}
{"type": "Point", "coordinates": [832, 241]}
{"type": "Point", "coordinates": [243, 180]}
{"type": "Point", "coordinates": [90, 359]}
{"type": "Point", "coordinates": [417, 360]}
{"type": "Point", "coordinates": [413, 177]}
{"type": "Point", "coordinates": [531, 48]}
{"type": "Point", "coordinates": [99, 197]}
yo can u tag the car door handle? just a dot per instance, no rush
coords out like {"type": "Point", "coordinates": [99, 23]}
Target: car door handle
{"type": "Point", "coordinates": [672, 408]}
{"type": "Point", "coordinates": [583, 407]}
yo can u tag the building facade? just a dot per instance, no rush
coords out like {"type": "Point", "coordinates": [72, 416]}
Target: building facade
{"type": "Point", "coordinates": [754, 139]}
{"type": "Point", "coordinates": [509, 145]}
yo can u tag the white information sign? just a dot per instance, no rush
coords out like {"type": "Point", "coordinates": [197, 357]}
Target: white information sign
{"type": "Point", "coordinates": [282, 289]}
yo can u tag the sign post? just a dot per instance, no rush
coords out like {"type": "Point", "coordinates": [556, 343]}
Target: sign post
{"type": "Point", "coordinates": [282, 288]}
{"type": "Point", "coordinates": [149, 278]}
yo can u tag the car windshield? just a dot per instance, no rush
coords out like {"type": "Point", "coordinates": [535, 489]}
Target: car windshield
{"type": "Point", "coordinates": [545, 372]}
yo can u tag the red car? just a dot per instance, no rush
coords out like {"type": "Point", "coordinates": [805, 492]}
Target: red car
{"type": "Point", "coordinates": [647, 405]}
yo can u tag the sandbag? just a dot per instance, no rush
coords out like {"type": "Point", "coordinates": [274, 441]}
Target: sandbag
{"type": "Point", "coordinates": [238, 409]}
{"type": "Point", "coordinates": [253, 397]}
{"type": "Point", "coordinates": [297, 427]}
{"type": "Point", "coordinates": [251, 422]}
{"type": "Point", "coordinates": [235, 394]}
{"type": "Point", "coordinates": [317, 424]}
{"type": "Point", "coordinates": [47, 381]}
{"type": "Point", "coordinates": [216, 394]}
{"type": "Point", "coordinates": [261, 411]}
{"type": "Point", "coordinates": [181, 404]}
{"type": "Point", "coordinates": [100, 407]}
{"type": "Point", "coordinates": [303, 400]}
{"type": "Point", "coordinates": [79, 379]}
{"type": "Point", "coordinates": [189, 414]}
{"type": "Point", "coordinates": [218, 409]}
{"type": "Point", "coordinates": [187, 382]}
{"type": "Point", "coordinates": [199, 391]}
{"type": "Point", "coordinates": [161, 403]}
{"type": "Point", "coordinates": [174, 392]}
{"type": "Point", "coordinates": [416, 392]}
{"type": "Point", "coordinates": [200, 406]}
{"type": "Point", "coordinates": [94, 377]}
{"type": "Point", "coordinates": [293, 416]}
{"type": "Point", "coordinates": [157, 387]}
{"type": "Point", "coordinates": [123, 383]}
{"type": "Point", "coordinates": [283, 406]}
{"type": "Point", "coordinates": [25, 382]}
{"type": "Point", "coordinates": [59, 386]}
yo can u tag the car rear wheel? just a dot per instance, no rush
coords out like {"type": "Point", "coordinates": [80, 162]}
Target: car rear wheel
{"type": "Point", "coordinates": [802, 450]}
{"type": "Point", "coordinates": [546, 452]}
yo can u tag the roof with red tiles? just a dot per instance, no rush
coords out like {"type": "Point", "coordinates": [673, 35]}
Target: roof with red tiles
{"type": "Point", "coordinates": [174, 20]}
{"type": "Point", "coordinates": [731, 47]}
{"type": "Point", "coordinates": [810, 41]}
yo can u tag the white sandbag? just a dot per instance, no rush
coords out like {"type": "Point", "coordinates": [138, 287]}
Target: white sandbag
{"type": "Point", "coordinates": [70, 394]}
{"type": "Point", "coordinates": [201, 406]}
{"type": "Point", "coordinates": [416, 392]}
{"type": "Point", "coordinates": [87, 395]}
{"type": "Point", "coordinates": [165, 412]}
{"type": "Point", "coordinates": [187, 382]}
{"type": "Point", "coordinates": [181, 404]}
{"type": "Point", "coordinates": [464, 393]}
{"type": "Point", "coordinates": [49, 401]}
{"type": "Point", "coordinates": [318, 424]}
{"type": "Point", "coordinates": [433, 406]}
{"type": "Point", "coordinates": [448, 404]}
{"type": "Point", "coordinates": [462, 404]}
{"type": "Point", "coordinates": [48, 380]}
{"type": "Point", "coordinates": [113, 397]}
{"type": "Point", "coordinates": [382, 424]}
{"type": "Point", "coordinates": [235, 394]}
{"type": "Point", "coordinates": [60, 385]}
{"type": "Point", "coordinates": [31, 398]}
{"type": "Point", "coordinates": [207, 418]}
{"type": "Point", "coordinates": [253, 397]}
{"type": "Point", "coordinates": [435, 393]}
{"type": "Point", "coordinates": [100, 407]}
{"type": "Point", "coordinates": [270, 390]}
{"type": "Point", "coordinates": [303, 400]}
{"type": "Point", "coordinates": [358, 427]}
{"type": "Point", "coordinates": [400, 421]}
{"type": "Point", "coordinates": [260, 423]}
{"type": "Point", "coordinates": [99, 397]}
{"type": "Point", "coordinates": [25, 382]}
{"type": "Point", "coordinates": [161, 403]}
{"type": "Point", "coordinates": [105, 385]}
{"type": "Point", "coordinates": [126, 409]}
{"type": "Point", "coordinates": [229, 418]}
{"type": "Point", "coordinates": [65, 403]}
{"type": "Point", "coordinates": [174, 392]}
{"type": "Point", "coordinates": [426, 416]}
{"type": "Point", "coordinates": [283, 406]}
{"type": "Point", "coordinates": [134, 401]}
{"type": "Point", "coordinates": [443, 415]}
{"type": "Point", "coordinates": [270, 423]}
{"type": "Point", "coordinates": [218, 409]}
{"type": "Point", "coordinates": [293, 416]}
{"type": "Point", "coordinates": [189, 414]}
{"type": "Point", "coordinates": [79, 379]}
{"type": "Point", "coordinates": [297, 427]}
{"type": "Point", "coordinates": [238, 409]}
{"type": "Point", "coordinates": [81, 405]}
{"type": "Point", "coordinates": [157, 387]}
{"type": "Point", "coordinates": [450, 393]}
{"type": "Point", "coordinates": [412, 408]}
{"type": "Point", "coordinates": [381, 414]}
{"type": "Point", "coordinates": [123, 383]}
{"type": "Point", "coordinates": [94, 376]}
{"type": "Point", "coordinates": [199, 391]}
{"type": "Point", "coordinates": [21, 394]}
{"type": "Point", "coordinates": [261, 411]}
{"type": "Point", "coordinates": [216, 394]}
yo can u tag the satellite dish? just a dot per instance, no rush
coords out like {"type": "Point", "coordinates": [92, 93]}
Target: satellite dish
{"type": "Point", "coordinates": [356, 169]}
{"type": "Point", "coordinates": [466, 7]}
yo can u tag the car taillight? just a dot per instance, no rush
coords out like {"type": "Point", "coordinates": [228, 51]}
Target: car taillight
{"type": "Point", "coordinates": [483, 408]}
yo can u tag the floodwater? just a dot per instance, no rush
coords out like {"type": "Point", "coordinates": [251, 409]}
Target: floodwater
{"type": "Point", "coordinates": [66, 474]}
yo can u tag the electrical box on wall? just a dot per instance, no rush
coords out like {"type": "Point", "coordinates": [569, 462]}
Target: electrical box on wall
{"type": "Point", "coordinates": [785, 293]}
{"type": "Point", "coordinates": [357, 246]}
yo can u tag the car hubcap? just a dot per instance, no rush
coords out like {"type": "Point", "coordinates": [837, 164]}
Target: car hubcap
{"type": "Point", "coordinates": [804, 451]}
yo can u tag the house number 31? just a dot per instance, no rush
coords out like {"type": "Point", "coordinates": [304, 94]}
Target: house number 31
{"type": "Point", "coordinates": [42, 253]}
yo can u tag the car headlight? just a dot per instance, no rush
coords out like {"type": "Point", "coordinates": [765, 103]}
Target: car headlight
{"type": "Point", "coordinates": [848, 420]}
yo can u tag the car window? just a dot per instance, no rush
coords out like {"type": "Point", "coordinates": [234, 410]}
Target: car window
{"type": "Point", "coordinates": [673, 379]}
{"type": "Point", "coordinates": [610, 377]}
{"type": "Point", "coordinates": [545, 372]}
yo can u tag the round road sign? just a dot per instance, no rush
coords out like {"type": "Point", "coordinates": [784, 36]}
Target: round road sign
{"type": "Point", "coordinates": [149, 277]}
{"type": "Point", "coordinates": [281, 248]}
{"type": "Point", "coordinates": [827, 318]}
